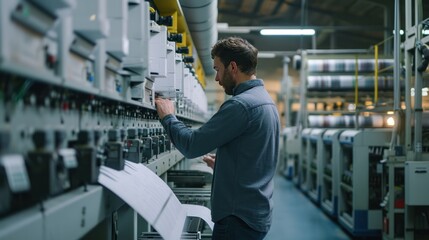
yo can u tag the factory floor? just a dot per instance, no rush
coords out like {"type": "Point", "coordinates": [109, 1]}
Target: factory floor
{"type": "Point", "coordinates": [296, 217]}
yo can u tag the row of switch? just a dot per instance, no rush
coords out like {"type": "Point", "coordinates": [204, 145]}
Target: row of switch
{"type": "Point", "coordinates": [140, 145]}
{"type": "Point", "coordinates": [56, 165]}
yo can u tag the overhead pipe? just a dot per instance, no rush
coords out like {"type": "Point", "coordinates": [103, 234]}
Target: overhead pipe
{"type": "Point", "coordinates": [201, 17]}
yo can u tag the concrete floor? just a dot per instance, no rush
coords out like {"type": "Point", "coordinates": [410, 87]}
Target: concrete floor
{"type": "Point", "coordinates": [295, 217]}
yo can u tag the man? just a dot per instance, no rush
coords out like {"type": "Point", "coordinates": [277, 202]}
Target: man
{"type": "Point", "coordinates": [245, 132]}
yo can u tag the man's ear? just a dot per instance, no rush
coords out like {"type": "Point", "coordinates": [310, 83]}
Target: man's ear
{"type": "Point", "coordinates": [234, 66]}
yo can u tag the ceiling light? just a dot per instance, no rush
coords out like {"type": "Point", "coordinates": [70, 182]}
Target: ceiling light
{"type": "Point", "coordinates": [222, 25]}
{"type": "Point", "coordinates": [288, 32]}
{"type": "Point", "coordinates": [266, 55]}
{"type": "Point", "coordinates": [234, 30]}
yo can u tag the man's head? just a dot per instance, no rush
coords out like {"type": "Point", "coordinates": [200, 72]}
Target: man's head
{"type": "Point", "coordinates": [235, 60]}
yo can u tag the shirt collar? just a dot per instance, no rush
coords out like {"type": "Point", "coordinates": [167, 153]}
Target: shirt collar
{"type": "Point", "coordinates": [244, 86]}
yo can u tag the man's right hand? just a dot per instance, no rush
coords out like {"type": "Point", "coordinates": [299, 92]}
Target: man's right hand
{"type": "Point", "coordinates": [210, 159]}
{"type": "Point", "coordinates": [164, 107]}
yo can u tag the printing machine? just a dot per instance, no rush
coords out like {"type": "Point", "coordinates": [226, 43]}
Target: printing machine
{"type": "Point", "coordinates": [157, 59]}
{"type": "Point", "coordinates": [330, 171]}
{"type": "Point", "coordinates": [137, 61]}
{"type": "Point", "coordinates": [116, 79]}
{"type": "Point", "coordinates": [315, 164]}
{"type": "Point", "coordinates": [78, 94]}
{"type": "Point", "coordinates": [27, 26]}
{"type": "Point", "coordinates": [285, 164]}
{"type": "Point", "coordinates": [84, 46]}
{"type": "Point", "coordinates": [166, 87]}
{"type": "Point", "coordinates": [292, 153]}
{"type": "Point", "coordinates": [304, 164]}
{"type": "Point", "coordinates": [359, 193]}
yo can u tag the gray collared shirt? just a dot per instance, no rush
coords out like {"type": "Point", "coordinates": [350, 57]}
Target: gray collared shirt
{"type": "Point", "coordinates": [245, 132]}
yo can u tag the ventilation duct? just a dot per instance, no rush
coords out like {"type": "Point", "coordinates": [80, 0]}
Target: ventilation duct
{"type": "Point", "coordinates": [201, 17]}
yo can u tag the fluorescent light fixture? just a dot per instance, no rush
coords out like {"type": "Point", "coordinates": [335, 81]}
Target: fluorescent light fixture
{"type": "Point", "coordinates": [233, 30]}
{"type": "Point", "coordinates": [426, 32]}
{"type": "Point", "coordinates": [222, 25]}
{"type": "Point", "coordinates": [225, 28]}
{"type": "Point", "coordinates": [288, 32]}
{"type": "Point", "coordinates": [266, 55]}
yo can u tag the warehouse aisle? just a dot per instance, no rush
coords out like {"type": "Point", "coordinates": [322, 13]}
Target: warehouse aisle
{"type": "Point", "coordinates": [296, 217]}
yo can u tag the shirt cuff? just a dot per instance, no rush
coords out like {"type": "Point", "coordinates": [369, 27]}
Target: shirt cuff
{"type": "Point", "coordinates": [167, 118]}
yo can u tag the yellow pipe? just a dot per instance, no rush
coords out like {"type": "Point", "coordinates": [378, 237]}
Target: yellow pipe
{"type": "Point", "coordinates": [376, 74]}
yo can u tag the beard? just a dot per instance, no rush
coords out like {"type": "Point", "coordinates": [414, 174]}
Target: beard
{"type": "Point", "coordinates": [228, 83]}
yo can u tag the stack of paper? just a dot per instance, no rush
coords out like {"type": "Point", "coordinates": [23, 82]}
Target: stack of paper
{"type": "Point", "coordinates": [151, 198]}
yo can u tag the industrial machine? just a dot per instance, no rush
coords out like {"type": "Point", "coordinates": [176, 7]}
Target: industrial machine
{"type": "Point", "coordinates": [303, 167]}
{"type": "Point", "coordinates": [78, 83]}
{"type": "Point", "coordinates": [315, 144]}
{"type": "Point", "coordinates": [289, 153]}
{"type": "Point", "coordinates": [330, 171]}
{"type": "Point", "coordinates": [359, 195]}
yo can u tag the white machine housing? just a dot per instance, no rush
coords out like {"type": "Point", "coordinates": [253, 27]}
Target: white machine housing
{"type": "Point", "coordinates": [360, 180]}
{"type": "Point", "coordinates": [166, 87]}
{"type": "Point", "coordinates": [315, 145]}
{"type": "Point", "coordinates": [303, 160]}
{"type": "Point", "coordinates": [330, 171]}
{"type": "Point", "coordinates": [29, 40]}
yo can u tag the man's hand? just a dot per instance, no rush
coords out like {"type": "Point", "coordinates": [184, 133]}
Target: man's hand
{"type": "Point", "coordinates": [210, 159]}
{"type": "Point", "coordinates": [164, 107]}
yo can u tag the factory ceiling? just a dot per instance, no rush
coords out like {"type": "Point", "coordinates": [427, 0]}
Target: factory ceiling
{"type": "Point", "coordinates": [339, 24]}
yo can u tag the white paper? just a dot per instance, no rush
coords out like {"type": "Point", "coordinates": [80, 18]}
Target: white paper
{"type": "Point", "coordinates": [202, 167]}
{"type": "Point", "coordinates": [199, 211]}
{"type": "Point", "coordinates": [120, 184]}
{"type": "Point", "coordinates": [151, 198]}
{"type": "Point", "coordinates": [172, 219]}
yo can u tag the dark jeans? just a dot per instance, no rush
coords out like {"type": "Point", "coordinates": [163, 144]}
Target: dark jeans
{"type": "Point", "coordinates": [233, 228]}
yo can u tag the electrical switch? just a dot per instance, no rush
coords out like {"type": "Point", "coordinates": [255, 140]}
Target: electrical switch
{"type": "Point", "coordinates": [114, 148]}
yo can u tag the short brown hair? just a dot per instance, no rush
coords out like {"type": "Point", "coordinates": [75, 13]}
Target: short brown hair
{"type": "Point", "coordinates": [238, 50]}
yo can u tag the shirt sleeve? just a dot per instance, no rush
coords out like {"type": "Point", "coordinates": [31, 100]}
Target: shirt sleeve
{"type": "Point", "coordinates": [229, 122]}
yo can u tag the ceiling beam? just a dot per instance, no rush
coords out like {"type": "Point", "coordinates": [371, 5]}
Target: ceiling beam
{"type": "Point", "coordinates": [371, 38]}
{"type": "Point", "coordinates": [257, 6]}
{"type": "Point", "coordinates": [236, 13]}
{"type": "Point", "coordinates": [277, 7]}
{"type": "Point", "coordinates": [322, 36]}
{"type": "Point", "coordinates": [381, 3]}
{"type": "Point", "coordinates": [349, 18]}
